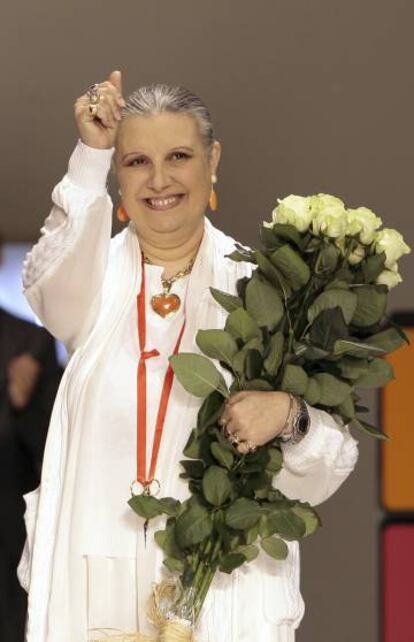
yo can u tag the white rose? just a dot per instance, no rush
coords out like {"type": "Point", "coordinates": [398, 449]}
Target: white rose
{"type": "Point", "coordinates": [328, 216]}
{"type": "Point", "coordinates": [390, 278]}
{"type": "Point", "coordinates": [392, 243]}
{"type": "Point", "coordinates": [294, 210]}
{"type": "Point", "coordinates": [357, 255]}
{"type": "Point", "coordinates": [364, 222]}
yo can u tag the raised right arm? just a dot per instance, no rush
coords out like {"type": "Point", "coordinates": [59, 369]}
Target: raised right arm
{"type": "Point", "coordinates": [63, 274]}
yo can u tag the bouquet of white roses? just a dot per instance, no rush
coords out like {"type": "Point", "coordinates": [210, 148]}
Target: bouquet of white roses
{"type": "Point", "coordinates": [311, 320]}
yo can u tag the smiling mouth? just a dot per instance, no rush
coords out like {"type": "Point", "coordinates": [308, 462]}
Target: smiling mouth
{"type": "Point", "coordinates": [164, 203]}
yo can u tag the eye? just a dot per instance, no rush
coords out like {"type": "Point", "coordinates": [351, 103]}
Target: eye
{"type": "Point", "coordinates": [135, 162]}
{"type": "Point", "coordinates": [177, 156]}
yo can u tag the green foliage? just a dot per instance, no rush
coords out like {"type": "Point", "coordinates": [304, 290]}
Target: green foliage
{"type": "Point", "coordinates": [305, 322]}
{"type": "Point", "coordinates": [198, 375]}
{"type": "Point", "coordinates": [275, 547]}
{"type": "Point", "coordinates": [217, 344]}
{"type": "Point", "coordinates": [295, 270]}
{"type": "Point", "coordinates": [227, 301]}
{"type": "Point", "coordinates": [264, 304]}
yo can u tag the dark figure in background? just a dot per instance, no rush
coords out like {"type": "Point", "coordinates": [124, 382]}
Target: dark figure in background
{"type": "Point", "coordinates": [29, 376]}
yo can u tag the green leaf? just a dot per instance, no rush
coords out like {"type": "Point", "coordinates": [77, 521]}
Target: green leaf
{"type": "Point", "coordinates": [241, 325]}
{"type": "Point", "coordinates": [346, 409]}
{"type": "Point", "coordinates": [287, 232]}
{"type": "Point", "coordinates": [174, 565]}
{"type": "Point", "coordinates": [333, 391]}
{"type": "Point", "coordinates": [241, 255]}
{"type": "Point", "coordinates": [250, 552]}
{"type": "Point", "coordinates": [217, 344]}
{"type": "Point", "coordinates": [372, 267]}
{"type": "Point", "coordinates": [268, 238]}
{"type": "Point", "coordinates": [166, 541]}
{"type": "Point", "coordinates": [222, 455]}
{"type": "Point", "coordinates": [227, 301]}
{"type": "Point", "coordinates": [272, 274]}
{"type": "Point", "coordinates": [370, 308]}
{"type": "Point", "coordinates": [192, 447]}
{"type": "Point", "coordinates": [146, 506]}
{"type": "Point", "coordinates": [193, 526]}
{"type": "Point", "coordinates": [352, 368]}
{"type": "Point", "coordinates": [243, 514]}
{"type": "Point", "coordinates": [197, 374]}
{"type": "Point", "coordinates": [292, 266]}
{"type": "Point", "coordinates": [193, 469]}
{"type": "Point", "coordinates": [216, 486]}
{"type": "Point", "coordinates": [378, 374]}
{"type": "Point", "coordinates": [295, 380]}
{"type": "Point", "coordinates": [327, 259]}
{"type": "Point", "coordinates": [387, 340]}
{"type": "Point", "coordinates": [373, 431]}
{"type": "Point", "coordinates": [328, 327]}
{"type": "Point", "coordinates": [275, 547]}
{"type": "Point", "coordinates": [276, 460]}
{"type": "Point", "coordinates": [356, 348]}
{"type": "Point", "coordinates": [258, 385]}
{"type": "Point", "coordinates": [231, 561]}
{"type": "Point", "coordinates": [287, 524]}
{"type": "Point", "coordinates": [310, 517]}
{"type": "Point", "coordinates": [275, 356]}
{"type": "Point", "coordinates": [263, 304]}
{"type": "Point", "coordinates": [170, 506]}
{"type": "Point", "coordinates": [210, 410]}
{"type": "Point", "coordinates": [313, 392]}
{"type": "Point", "coordinates": [343, 299]}
{"type": "Point", "coordinates": [253, 364]}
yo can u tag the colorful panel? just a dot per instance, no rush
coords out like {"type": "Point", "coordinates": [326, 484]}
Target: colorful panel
{"type": "Point", "coordinates": [397, 545]}
{"type": "Point", "coordinates": [397, 418]}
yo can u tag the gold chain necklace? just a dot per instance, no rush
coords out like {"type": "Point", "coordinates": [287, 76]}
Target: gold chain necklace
{"type": "Point", "coordinates": [167, 303]}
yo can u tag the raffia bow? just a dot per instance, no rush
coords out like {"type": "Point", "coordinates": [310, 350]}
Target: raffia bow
{"type": "Point", "coordinates": [169, 629]}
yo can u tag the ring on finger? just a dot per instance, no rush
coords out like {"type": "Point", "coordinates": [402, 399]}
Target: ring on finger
{"type": "Point", "coordinates": [93, 110]}
{"type": "Point", "coordinates": [251, 447]}
{"type": "Point", "coordinates": [93, 94]}
{"type": "Point", "coordinates": [233, 438]}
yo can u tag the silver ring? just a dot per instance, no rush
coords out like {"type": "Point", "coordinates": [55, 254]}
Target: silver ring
{"type": "Point", "coordinates": [93, 94]}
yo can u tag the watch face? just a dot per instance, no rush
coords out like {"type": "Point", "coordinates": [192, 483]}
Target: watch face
{"type": "Point", "coordinates": [303, 424]}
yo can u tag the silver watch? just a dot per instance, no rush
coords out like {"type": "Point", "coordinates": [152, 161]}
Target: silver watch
{"type": "Point", "coordinates": [300, 424]}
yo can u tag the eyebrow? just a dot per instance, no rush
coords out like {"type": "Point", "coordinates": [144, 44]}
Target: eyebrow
{"type": "Point", "coordinates": [174, 149]}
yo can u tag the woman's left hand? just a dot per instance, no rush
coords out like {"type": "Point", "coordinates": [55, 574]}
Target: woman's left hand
{"type": "Point", "coordinates": [254, 418]}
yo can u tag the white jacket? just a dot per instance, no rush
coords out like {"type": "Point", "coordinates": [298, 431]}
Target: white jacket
{"type": "Point", "coordinates": [79, 282]}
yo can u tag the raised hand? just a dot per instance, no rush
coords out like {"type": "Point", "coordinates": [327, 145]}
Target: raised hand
{"type": "Point", "coordinates": [99, 129]}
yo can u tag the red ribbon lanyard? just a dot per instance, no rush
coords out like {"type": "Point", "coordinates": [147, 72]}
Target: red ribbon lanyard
{"type": "Point", "coordinates": [144, 479]}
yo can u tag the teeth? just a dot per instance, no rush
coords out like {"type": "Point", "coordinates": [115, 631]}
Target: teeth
{"type": "Point", "coordinates": [163, 202]}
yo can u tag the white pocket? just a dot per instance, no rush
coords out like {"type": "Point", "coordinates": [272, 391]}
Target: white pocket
{"type": "Point", "coordinates": [23, 570]}
{"type": "Point", "coordinates": [111, 594]}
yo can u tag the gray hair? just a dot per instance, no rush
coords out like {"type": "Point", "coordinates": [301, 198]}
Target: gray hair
{"type": "Point", "coordinates": [157, 98]}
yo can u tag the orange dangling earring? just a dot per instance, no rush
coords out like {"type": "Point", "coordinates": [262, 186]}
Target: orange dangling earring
{"type": "Point", "coordinates": [121, 214]}
{"type": "Point", "coordinates": [213, 200]}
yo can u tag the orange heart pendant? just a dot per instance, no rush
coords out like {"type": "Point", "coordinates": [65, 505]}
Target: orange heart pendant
{"type": "Point", "coordinates": [165, 305]}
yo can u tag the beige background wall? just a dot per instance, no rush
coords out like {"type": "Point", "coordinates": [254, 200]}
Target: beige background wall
{"type": "Point", "coordinates": [307, 95]}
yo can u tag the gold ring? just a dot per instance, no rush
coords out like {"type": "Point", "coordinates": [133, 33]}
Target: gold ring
{"type": "Point", "coordinates": [93, 110]}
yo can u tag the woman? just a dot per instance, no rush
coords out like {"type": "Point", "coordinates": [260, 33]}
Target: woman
{"type": "Point", "coordinates": [92, 567]}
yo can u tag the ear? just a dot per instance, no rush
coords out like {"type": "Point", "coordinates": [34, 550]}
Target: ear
{"type": "Point", "coordinates": [215, 155]}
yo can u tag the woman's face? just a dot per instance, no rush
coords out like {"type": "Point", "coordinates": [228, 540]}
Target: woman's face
{"type": "Point", "coordinates": [164, 174]}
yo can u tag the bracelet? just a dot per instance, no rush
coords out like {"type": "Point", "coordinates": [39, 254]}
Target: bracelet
{"type": "Point", "coordinates": [300, 423]}
{"type": "Point", "coordinates": [286, 432]}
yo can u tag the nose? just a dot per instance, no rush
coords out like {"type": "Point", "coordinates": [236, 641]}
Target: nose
{"type": "Point", "coordinates": [159, 179]}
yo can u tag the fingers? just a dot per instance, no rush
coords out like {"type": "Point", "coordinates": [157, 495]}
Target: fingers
{"type": "Point", "coordinates": [115, 78]}
{"type": "Point", "coordinates": [238, 396]}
